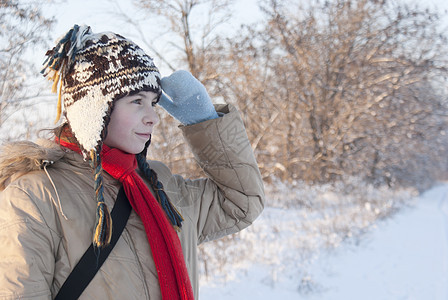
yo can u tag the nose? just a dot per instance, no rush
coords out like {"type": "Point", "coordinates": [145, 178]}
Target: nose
{"type": "Point", "coordinates": [150, 117]}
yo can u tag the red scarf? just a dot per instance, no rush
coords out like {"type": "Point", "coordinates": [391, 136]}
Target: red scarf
{"type": "Point", "coordinates": [163, 240]}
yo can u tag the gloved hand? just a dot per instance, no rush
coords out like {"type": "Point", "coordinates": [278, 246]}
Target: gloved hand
{"type": "Point", "coordinates": [189, 103]}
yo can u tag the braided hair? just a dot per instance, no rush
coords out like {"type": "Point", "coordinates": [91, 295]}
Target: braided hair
{"type": "Point", "coordinates": [171, 212]}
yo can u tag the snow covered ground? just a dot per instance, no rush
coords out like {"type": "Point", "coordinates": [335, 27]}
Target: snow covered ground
{"type": "Point", "coordinates": [399, 258]}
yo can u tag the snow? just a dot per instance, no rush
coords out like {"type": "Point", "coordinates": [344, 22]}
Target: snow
{"type": "Point", "coordinates": [404, 256]}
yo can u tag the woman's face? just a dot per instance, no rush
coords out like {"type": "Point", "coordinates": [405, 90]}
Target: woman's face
{"type": "Point", "coordinates": [131, 122]}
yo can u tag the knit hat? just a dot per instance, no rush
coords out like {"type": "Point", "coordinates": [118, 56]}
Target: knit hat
{"type": "Point", "coordinates": [92, 71]}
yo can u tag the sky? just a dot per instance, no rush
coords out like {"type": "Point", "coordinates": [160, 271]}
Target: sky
{"type": "Point", "coordinates": [75, 11]}
{"type": "Point", "coordinates": [95, 14]}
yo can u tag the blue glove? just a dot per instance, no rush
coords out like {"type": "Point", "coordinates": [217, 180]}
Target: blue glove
{"type": "Point", "coordinates": [189, 103]}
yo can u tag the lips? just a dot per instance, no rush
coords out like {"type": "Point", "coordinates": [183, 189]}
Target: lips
{"type": "Point", "coordinates": [145, 136]}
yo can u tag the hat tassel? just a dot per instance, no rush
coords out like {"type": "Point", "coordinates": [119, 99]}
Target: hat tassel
{"type": "Point", "coordinates": [103, 227]}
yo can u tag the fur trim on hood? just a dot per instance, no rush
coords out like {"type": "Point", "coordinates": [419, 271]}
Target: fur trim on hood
{"type": "Point", "coordinates": [19, 158]}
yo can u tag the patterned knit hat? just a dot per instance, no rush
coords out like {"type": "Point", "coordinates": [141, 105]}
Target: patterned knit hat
{"type": "Point", "coordinates": [93, 70]}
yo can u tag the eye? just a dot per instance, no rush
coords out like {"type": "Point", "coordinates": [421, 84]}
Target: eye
{"type": "Point", "coordinates": [155, 101]}
{"type": "Point", "coordinates": [137, 101]}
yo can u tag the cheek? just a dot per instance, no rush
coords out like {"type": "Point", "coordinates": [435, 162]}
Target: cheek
{"type": "Point", "coordinates": [119, 129]}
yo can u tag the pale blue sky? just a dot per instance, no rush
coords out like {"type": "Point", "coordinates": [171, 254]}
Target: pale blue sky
{"type": "Point", "coordinates": [94, 13]}
{"type": "Point", "coordinates": [89, 12]}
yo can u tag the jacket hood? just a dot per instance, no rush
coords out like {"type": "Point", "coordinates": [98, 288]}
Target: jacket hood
{"type": "Point", "coordinates": [20, 158]}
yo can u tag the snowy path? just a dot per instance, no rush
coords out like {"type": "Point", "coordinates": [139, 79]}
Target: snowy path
{"type": "Point", "coordinates": [403, 258]}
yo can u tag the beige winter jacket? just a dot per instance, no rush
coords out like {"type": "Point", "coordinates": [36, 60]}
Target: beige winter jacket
{"type": "Point", "coordinates": [46, 221]}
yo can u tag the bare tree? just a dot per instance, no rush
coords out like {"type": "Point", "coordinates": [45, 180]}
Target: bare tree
{"type": "Point", "coordinates": [193, 26]}
{"type": "Point", "coordinates": [191, 29]}
{"type": "Point", "coordinates": [23, 26]}
{"type": "Point", "coordinates": [327, 88]}
{"type": "Point", "coordinates": [351, 81]}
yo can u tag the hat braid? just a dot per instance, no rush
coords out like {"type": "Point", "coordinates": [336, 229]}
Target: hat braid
{"type": "Point", "coordinates": [103, 225]}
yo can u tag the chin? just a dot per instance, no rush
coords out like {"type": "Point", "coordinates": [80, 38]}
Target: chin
{"type": "Point", "coordinates": [137, 150]}
{"type": "Point", "coordinates": [132, 150]}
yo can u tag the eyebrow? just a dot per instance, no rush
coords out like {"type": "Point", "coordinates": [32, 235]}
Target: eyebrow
{"type": "Point", "coordinates": [141, 95]}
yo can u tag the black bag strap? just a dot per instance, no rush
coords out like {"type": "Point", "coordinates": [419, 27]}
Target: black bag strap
{"type": "Point", "coordinates": [91, 262]}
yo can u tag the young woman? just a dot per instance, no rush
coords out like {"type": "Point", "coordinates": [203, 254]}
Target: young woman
{"type": "Point", "coordinates": [56, 197]}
